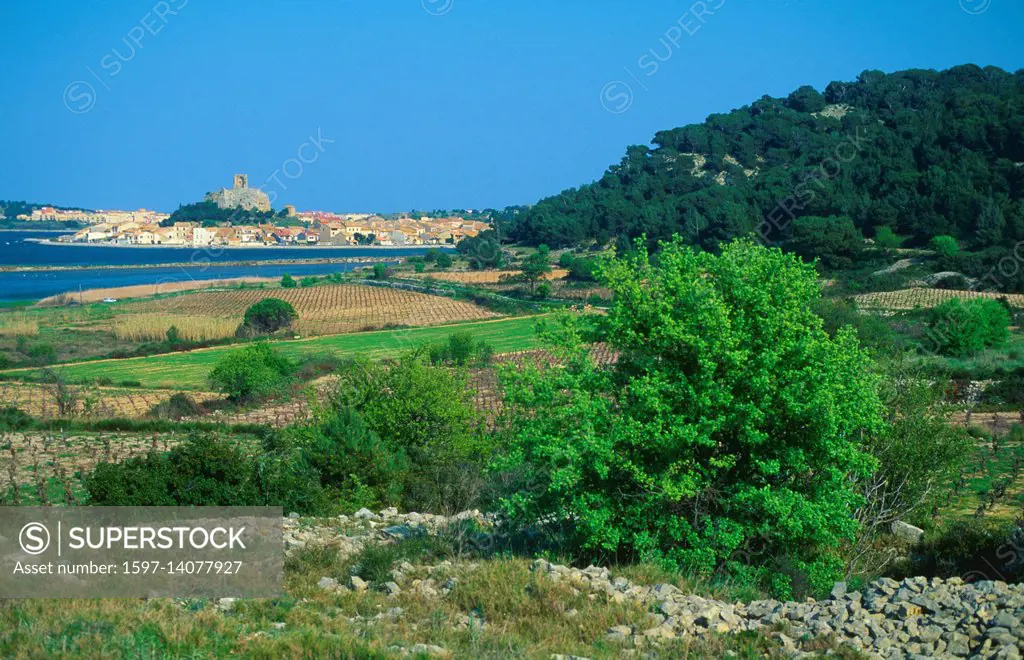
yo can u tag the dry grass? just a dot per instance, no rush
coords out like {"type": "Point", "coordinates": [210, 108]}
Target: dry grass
{"type": "Point", "coordinates": [906, 299]}
{"type": "Point", "coordinates": [523, 618]}
{"type": "Point", "coordinates": [18, 326]}
{"type": "Point", "coordinates": [144, 290]}
{"type": "Point", "coordinates": [145, 327]}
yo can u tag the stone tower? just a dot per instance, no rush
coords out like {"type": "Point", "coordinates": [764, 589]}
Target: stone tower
{"type": "Point", "coordinates": [241, 181]}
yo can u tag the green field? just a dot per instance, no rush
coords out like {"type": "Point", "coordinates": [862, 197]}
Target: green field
{"type": "Point", "coordinates": [188, 370]}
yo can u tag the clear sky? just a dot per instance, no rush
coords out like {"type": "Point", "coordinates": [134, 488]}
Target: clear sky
{"type": "Point", "coordinates": [429, 103]}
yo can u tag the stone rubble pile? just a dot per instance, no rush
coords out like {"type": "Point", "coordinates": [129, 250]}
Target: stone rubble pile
{"type": "Point", "coordinates": [349, 534]}
{"type": "Point", "coordinates": [917, 617]}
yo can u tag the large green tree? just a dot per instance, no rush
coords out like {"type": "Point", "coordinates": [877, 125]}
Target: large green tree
{"type": "Point", "coordinates": [730, 425]}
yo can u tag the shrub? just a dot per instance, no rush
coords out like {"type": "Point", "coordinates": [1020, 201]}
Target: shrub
{"type": "Point", "coordinates": [963, 328]}
{"type": "Point", "coordinates": [288, 282]}
{"type": "Point", "coordinates": [419, 266]}
{"type": "Point", "coordinates": [202, 471]}
{"type": "Point", "coordinates": [426, 414]}
{"type": "Point", "coordinates": [1009, 390]}
{"type": "Point", "coordinates": [956, 282]}
{"type": "Point", "coordinates": [543, 291]}
{"type": "Point", "coordinates": [919, 455]}
{"type": "Point", "coordinates": [177, 407]}
{"type": "Point", "coordinates": [885, 237]}
{"type": "Point", "coordinates": [443, 261]}
{"type": "Point", "coordinates": [269, 315]}
{"type": "Point", "coordinates": [309, 281]}
{"type": "Point", "coordinates": [728, 430]}
{"type": "Point", "coordinates": [14, 419]}
{"type": "Point", "coordinates": [945, 246]}
{"type": "Point", "coordinates": [381, 271]}
{"type": "Point", "coordinates": [460, 349]}
{"type": "Point", "coordinates": [354, 467]}
{"type": "Point", "coordinates": [319, 364]}
{"type": "Point", "coordinates": [250, 373]}
{"type": "Point", "coordinates": [42, 353]}
{"type": "Point", "coordinates": [973, 550]}
{"type": "Point", "coordinates": [871, 329]}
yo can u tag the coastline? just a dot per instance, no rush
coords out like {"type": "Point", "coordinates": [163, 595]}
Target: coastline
{"type": "Point", "coordinates": [200, 263]}
{"type": "Point", "coordinates": [215, 248]}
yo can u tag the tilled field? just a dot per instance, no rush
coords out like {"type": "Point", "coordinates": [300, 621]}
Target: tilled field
{"type": "Point", "coordinates": [44, 401]}
{"type": "Point", "coordinates": [907, 299]}
{"type": "Point", "coordinates": [326, 309]}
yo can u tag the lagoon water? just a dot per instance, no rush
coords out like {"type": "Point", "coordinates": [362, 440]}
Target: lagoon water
{"type": "Point", "coordinates": [15, 250]}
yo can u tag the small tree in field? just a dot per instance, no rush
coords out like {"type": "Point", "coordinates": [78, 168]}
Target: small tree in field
{"type": "Point", "coordinates": [729, 428]}
{"type": "Point", "coordinates": [268, 316]}
{"type": "Point", "coordinates": [251, 373]}
{"type": "Point", "coordinates": [288, 282]}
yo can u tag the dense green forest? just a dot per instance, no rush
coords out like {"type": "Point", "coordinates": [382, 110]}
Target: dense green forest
{"type": "Point", "coordinates": [903, 157]}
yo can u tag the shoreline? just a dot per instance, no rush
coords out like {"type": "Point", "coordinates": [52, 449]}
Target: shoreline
{"type": "Point", "coordinates": [214, 248]}
{"type": "Point", "coordinates": [314, 261]}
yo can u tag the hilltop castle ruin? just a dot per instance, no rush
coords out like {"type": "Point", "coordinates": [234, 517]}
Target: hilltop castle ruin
{"type": "Point", "coordinates": [240, 195]}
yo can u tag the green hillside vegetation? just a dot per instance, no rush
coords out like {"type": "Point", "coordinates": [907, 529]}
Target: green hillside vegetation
{"type": "Point", "coordinates": [903, 157]}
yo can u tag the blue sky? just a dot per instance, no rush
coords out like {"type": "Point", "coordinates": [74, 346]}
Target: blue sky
{"type": "Point", "coordinates": [429, 103]}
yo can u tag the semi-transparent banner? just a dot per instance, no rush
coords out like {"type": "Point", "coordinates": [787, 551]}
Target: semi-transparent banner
{"type": "Point", "coordinates": [140, 552]}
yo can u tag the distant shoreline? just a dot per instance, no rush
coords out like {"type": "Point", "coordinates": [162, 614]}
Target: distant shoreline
{"type": "Point", "coordinates": [206, 264]}
{"type": "Point", "coordinates": [47, 241]}
{"type": "Point", "coordinates": [38, 231]}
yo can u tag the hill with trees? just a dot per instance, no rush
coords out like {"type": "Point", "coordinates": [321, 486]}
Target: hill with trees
{"type": "Point", "coordinates": [901, 158]}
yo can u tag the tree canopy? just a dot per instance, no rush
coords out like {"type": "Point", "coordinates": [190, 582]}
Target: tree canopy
{"type": "Point", "coordinates": [922, 152]}
{"type": "Point", "coordinates": [732, 423]}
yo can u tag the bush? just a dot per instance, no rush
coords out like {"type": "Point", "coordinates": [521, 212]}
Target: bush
{"type": "Point", "coordinates": [353, 466]}
{"type": "Point", "coordinates": [956, 282]}
{"type": "Point", "coordinates": [309, 281]}
{"type": "Point", "coordinates": [288, 282]}
{"type": "Point", "coordinates": [426, 414]}
{"type": "Point", "coordinates": [963, 328]}
{"type": "Point", "coordinates": [886, 238]}
{"type": "Point", "coordinates": [381, 271]}
{"type": "Point", "coordinates": [461, 349]}
{"type": "Point", "coordinates": [251, 373]}
{"type": "Point", "coordinates": [443, 261]}
{"type": "Point", "coordinates": [973, 550]}
{"type": "Point", "coordinates": [1009, 390]}
{"type": "Point", "coordinates": [42, 353]}
{"type": "Point", "coordinates": [871, 329]}
{"type": "Point", "coordinates": [319, 364]}
{"type": "Point", "coordinates": [269, 315]}
{"type": "Point", "coordinates": [203, 471]}
{"type": "Point", "coordinates": [727, 432]}
{"type": "Point", "coordinates": [945, 246]}
{"type": "Point", "coordinates": [14, 419]}
{"type": "Point", "coordinates": [177, 407]}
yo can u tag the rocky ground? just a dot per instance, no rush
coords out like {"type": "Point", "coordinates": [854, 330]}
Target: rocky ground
{"type": "Point", "coordinates": [917, 617]}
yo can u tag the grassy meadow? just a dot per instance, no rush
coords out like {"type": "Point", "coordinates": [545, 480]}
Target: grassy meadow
{"type": "Point", "coordinates": [188, 370]}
